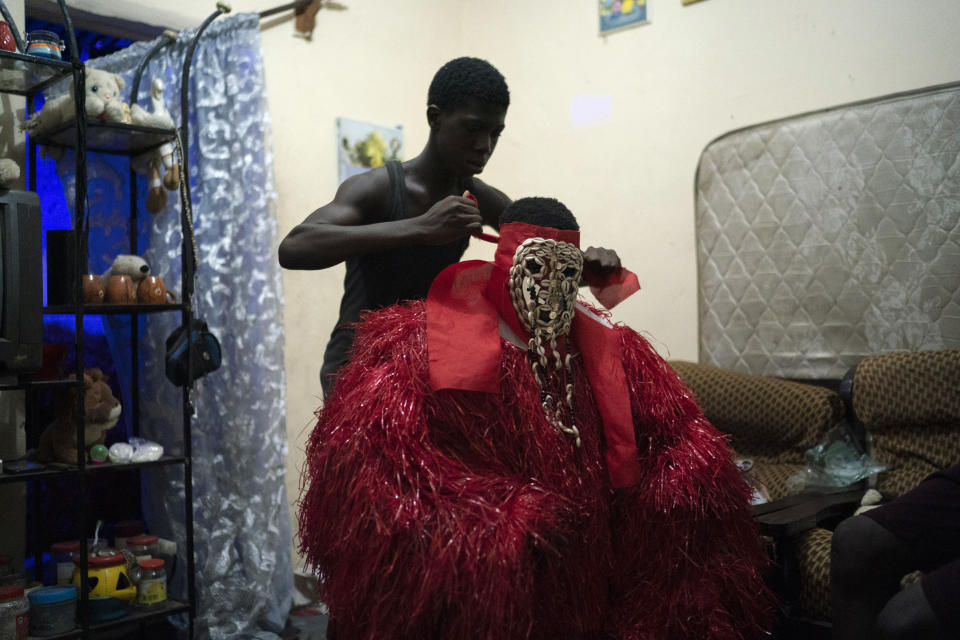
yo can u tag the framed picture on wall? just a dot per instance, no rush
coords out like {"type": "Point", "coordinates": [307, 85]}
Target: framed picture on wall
{"type": "Point", "coordinates": [361, 146]}
{"type": "Point", "coordinates": [620, 14]}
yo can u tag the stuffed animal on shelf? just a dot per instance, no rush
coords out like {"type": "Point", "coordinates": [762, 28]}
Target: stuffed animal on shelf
{"type": "Point", "coordinates": [58, 442]}
{"type": "Point", "coordinates": [127, 265]}
{"type": "Point", "coordinates": [102, 101]}
{"type": "Point", "coordinates": [9, 173]}
{"type": "Point", "coordinates": [160, 165]}
{"type": "Point", "coordinates": [123, 278]}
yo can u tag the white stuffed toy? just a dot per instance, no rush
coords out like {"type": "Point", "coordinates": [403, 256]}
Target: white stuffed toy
{"type": "Point", "coordinates": [160, 164]}
{"type": "Point", "coordinates": [9, 173]}
{"type": "Point", "coordinates": [103, 101]}
{"type": "Point", "coordinates": [127, 265]}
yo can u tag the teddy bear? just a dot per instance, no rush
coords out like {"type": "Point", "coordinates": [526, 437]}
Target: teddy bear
{"type": "Point", "coordinates": [58, 442]}
{"type": "Point", "coordinates": [102, 101]}
{"type": "Point", "coordinates": [160, 164]}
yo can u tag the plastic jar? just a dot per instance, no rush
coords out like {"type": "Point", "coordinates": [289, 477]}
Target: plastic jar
{"type": "Point", "coordinates": [14, 613]}
{"type": "Point", "coordinates": [53, 610]}
{"type": "Point", "coordinates": [123, 531]}
{"type": "Point", "coordinates": [142, 547]}
{"type": "Point", "coordinates": [61, 561]}
{"type": "Point", "coordinates": [152, 588]}
{"type": "Point", "coordinates": [44, 44]}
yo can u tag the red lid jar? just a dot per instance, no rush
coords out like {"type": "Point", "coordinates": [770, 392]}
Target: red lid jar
{"type": "Point", "coordinates": [142, 546]}
{"type": "Point", "coordinates": [98, 560]}
{"type": "Point", "coordinates": [14, 612]}
{"type": "Point", "coordinates": [10, 592]}
{"type": "Point", "coordinates": [68, 546]}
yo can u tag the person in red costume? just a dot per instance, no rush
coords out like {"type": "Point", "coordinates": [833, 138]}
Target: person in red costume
{"type": "Point", "coordinates": [500, 461]}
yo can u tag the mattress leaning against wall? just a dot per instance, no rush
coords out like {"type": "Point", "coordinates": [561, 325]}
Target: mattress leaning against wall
{"type": "Point", "coordinates": [827, 236]}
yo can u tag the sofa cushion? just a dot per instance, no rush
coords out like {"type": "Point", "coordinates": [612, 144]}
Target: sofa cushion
{"type": "Point", "coordinates": [909, 403]}
{"type": "Point", "coordinates": [768, 419]}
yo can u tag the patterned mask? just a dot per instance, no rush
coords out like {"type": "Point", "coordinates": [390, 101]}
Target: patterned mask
{"type": "Point", "coordinates": [544, 281]}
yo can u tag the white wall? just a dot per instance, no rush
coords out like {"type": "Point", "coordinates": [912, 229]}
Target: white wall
{"type": "Point", "coordinates": [692, 74]}
{"type": "Point", "coordinates": [689, 76]}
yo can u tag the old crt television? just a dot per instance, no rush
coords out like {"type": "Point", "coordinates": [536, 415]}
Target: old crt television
{"type": "Point", "coordinates": [21, 283]}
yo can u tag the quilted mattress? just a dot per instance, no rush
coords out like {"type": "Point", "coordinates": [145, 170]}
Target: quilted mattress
{"type": "Point", "coordinates": [832, 235]}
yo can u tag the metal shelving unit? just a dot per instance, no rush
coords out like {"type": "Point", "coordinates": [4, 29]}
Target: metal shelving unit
{"type": "Point", "coordinates": [35, 74]}
{"type": "Point", "coordinates": [89, 135]}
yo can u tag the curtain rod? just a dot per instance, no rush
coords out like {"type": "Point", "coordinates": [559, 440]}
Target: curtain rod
{"type": "Point", "coordinates": [299, 4]}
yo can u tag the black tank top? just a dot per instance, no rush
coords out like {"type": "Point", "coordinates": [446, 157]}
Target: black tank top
{"type": "Point", "coordinates": [378, 280]}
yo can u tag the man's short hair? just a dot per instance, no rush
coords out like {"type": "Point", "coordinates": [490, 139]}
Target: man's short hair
{"type": "Point", "coordinates": [465, 79]}
{"type": "Point", "coordinates": [543, 212]}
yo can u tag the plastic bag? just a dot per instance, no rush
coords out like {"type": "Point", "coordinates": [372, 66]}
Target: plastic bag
{"type": "Point", "coordinates": [759, 492]}
{"type": "Point", "coordinates": [836, 461]}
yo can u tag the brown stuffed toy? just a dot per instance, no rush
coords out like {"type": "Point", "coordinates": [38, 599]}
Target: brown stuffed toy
{"type": "Point", "coordinates": [58, 442]}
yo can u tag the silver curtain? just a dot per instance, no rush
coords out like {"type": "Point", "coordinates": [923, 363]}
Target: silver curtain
{"type": "Point", "coordinates": [243, 573]}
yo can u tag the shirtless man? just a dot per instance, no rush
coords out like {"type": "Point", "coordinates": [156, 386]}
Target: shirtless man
{"type": "Point", "coordinates": [398, 226]}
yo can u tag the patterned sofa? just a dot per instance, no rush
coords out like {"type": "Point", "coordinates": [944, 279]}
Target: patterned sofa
{"type": "Point", "coordinates": [770, 421]}
{"type": "Point", "coordinates": [907, 405]}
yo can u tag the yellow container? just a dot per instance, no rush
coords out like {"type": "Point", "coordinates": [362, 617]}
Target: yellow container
{"type": "Point", "coordinates": [107, 576]}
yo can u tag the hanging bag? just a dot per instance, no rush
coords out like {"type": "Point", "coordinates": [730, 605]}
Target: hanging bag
{"type": "Point", "coordinates": [194, 354]}
{"type": "Point", "coordinates": [205, 353]}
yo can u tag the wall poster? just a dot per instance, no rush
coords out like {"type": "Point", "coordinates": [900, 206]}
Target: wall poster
{"type": "Point", "coordinates": [361, 146]}
{"type": "Point", "coordinates": [620, 14]}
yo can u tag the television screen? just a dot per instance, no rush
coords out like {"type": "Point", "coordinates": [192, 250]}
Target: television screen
{"type": "Point", "coordinates": [21, 283]}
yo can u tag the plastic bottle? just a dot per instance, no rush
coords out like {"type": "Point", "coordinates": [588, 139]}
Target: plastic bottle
{"type": "Point", "coordinates": [61, 561]}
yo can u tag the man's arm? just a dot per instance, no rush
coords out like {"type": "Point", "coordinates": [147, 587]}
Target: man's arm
{"type": "Point", "coordinates": [341, 230]}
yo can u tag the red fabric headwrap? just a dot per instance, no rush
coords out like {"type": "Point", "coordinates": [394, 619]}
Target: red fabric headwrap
{"type": "Point", "coordinates": [464, 307]}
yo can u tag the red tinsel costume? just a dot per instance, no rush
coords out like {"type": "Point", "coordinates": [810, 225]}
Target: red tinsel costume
{"type": "Point", "coordinates": [440, 502]}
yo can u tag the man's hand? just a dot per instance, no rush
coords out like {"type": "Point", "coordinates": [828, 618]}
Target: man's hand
{"type": "Point", "coordinates": [449, 219]}
{"type": "Point", "coordinates": [597, 263]}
